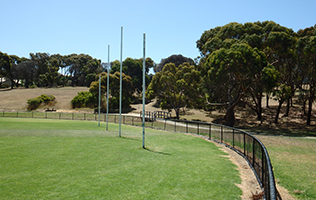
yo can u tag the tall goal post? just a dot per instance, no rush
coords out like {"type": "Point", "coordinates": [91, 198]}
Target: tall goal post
{"type": "Point", "coordinates": [107, 90]}
{"type": "Point", "coordinates": [120, 106]}
{"type": "Point", "coordinates": [144, 85]}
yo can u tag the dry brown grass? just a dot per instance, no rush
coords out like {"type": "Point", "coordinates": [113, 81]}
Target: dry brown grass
{"type": "Point", "coordinates": [16, 99]}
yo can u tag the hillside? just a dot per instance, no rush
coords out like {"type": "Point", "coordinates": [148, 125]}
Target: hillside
{"type": "Point", "coordinates": [15, 100]}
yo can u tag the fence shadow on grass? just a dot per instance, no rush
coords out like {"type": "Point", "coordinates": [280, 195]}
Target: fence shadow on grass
{"type": "Point", "coordinates": [158, 152]}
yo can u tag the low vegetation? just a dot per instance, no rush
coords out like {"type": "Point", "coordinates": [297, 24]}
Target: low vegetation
{"type": "Point", "coordinates": [44, 99]}
{"type": "Point", "coordinates": [84, 99]}
{"type": "Point", "coordinates": [294, 163]}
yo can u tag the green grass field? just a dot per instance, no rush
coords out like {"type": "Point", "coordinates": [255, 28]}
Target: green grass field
{"type": "Point", "coordinates": [59, 159]}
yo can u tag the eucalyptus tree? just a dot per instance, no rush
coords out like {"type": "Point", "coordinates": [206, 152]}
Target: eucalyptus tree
{"type": "Point", "coordinates": [231, 48]}
{"type": "Point", "coordinates": [134, 69]}
{"type": "Point", "coordinates": [114, 89]}
{"type": "Point", "coordinates": [306, 51]}
{"type": "Point", "coordinates": [81, 67]}
{"type": "Point", "coordinates": [239, 69]}
{"type": "Point", "coordinates": [176, 87]}
{"type": "Point", "coordinates": [175, 59]}
{"type": "Point", "coordinates": [6, 67]}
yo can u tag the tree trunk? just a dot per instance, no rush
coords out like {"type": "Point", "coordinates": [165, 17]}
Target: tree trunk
{"type": "Point", "coordinates": [177, 110]}
{"type": "Point", "coordinates": [259, 107]}
{"type": "Point", "coordinates": [278, 112]}
{"type": "Point", "coordinates": [267, 100]}
{"type": "Point", "coordinates": [230, 116]}
{"type": "Point", "coordinates": [288, 105]}
{"type": "Point", "coordinates": [259, 114]}
{"type": "Point", "coordinates": [310, 105]}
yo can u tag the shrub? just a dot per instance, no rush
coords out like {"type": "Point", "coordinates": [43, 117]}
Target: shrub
{"type": "Point", "coordinates": [84, 99]}
{"type": "Point", "coordinates": [34, 103]}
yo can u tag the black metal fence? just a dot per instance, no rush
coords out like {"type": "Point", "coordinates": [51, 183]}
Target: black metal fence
{"type": "Point", "coordinates": [242, 142]}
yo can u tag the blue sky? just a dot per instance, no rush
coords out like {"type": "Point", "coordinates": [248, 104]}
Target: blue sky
{"type": "Point", "coordinates": [171, 26]}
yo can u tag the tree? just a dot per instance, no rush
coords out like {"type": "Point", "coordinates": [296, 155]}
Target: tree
{"type": "Point", "coordinates": [26, 71]}
{"type": "Point", "coordinates": [275, 41]}
{"type": "Point", "coordinates": [236, 69]}
{"type": "Point", "coordinates": [134, 69]}
{"type": "Point", "coordinates": [175, 59]}
{"type": "Point", "coordinates": [6, 67]}
{"type": "Point", "coordinates": [176, 87]}
{"type": "Point", "coordinates": [282, 52]}
{"type": "Point", "coordinates": [79, 66]}
{"type": "Point", "coordinates": [114, 89]}
{"type": "Point", "coordinates": [306, 50]}
{"type": "Point", "coordinates": [41, 65]}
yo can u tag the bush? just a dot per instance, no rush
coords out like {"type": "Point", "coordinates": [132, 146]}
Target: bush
{"type": "Point", "coordinates": [84, 99]}
{"type": "Point", "coordinates": [4, 85]}
{"type": "Point", "coordinates": [34, 103]}
{"type": "Point", "coordinates": [46, 98]}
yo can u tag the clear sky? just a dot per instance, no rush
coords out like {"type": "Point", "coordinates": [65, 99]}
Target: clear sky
{"type": "Point", "coordinates": [171, 26]}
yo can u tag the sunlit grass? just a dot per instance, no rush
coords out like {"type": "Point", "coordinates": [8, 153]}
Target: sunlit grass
{"type": "Point", "coordinates": [294, 162]}
{"type": "Point", "coordinates": [60, 159]}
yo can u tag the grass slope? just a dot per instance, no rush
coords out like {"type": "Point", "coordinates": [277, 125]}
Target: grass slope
{"type": "Point", "coordinates": [56, 159]}
{"type": "Point", "coordinates": [294, 162]}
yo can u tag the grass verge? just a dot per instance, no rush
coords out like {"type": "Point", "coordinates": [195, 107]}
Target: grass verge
{"type": "Point", "coordinates": [59, 159]}
{"type": "Point", "coordinates": [294, 162]}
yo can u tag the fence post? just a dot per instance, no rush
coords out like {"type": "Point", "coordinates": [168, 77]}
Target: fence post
{"type": "Point", "coordinates": [245, 144]}
{"type": "Point", "coordinates": [84, 116]}
{"type": "Point", "coordinates": [165, 125]}
{"type": "Point", "coordinates": [32, 114]}
{"type": "Point", "coordinates": [262, 168]}
{"type": "Point", "coordinates": [17, 114]}
{"type": "Point", "coordinates": [253, 152]}
{"type": "Point", "coordinates": [59, 115]}
{"type": "Point", "coordinates": [233, 138]}
{"type": "Point", "coordinates": [114, 118]}
{"type": "Point", "coordinates": [210, 132]}
{"type": "Point", "coordinates": [198, 128]}
{"type": "Point", "coordinates": [186, 123]}
{"type": "Point", "coordinates": [221, 134]}
{"type": "Point", "coordinates": [175, 126]}
{"type": "Point", "coordinates": [45, 115]}
{"type": "Point", "coordinates": [73, 117]}
{"type": "Point", "coordinates": [2, 113]}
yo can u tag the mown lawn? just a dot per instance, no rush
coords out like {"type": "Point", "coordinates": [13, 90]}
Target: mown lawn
{"type": "Point", "coordinates": [59, 159]}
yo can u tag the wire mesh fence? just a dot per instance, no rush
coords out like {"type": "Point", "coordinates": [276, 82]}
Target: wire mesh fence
{"type": "Point", "coordinates": [242, 142]}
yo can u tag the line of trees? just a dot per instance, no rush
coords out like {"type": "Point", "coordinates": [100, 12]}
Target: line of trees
{"type": "Point", "coordinates": [238, 63]}
{"type": "Point", "coordinates": [241, 63]}
{"type": "Point", "coordinates": [42, 69]}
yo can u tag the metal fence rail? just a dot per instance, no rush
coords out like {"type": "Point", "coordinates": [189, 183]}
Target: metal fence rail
{"type": "Point", "coordinates": [242, 142]}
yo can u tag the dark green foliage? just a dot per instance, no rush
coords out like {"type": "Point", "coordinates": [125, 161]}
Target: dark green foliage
{"type": "Point", "coordinates": [34, 103]}
{"type": "Point", "coordinates": [84, 99]}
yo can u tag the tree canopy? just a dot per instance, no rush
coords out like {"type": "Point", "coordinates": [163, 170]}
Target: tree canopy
{"type": "Point", "coordinates": [175, 87]}
{"type": "Point", "coordinates": [175, 59]}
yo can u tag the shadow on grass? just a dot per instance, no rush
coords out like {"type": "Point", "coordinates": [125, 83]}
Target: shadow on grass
{"type": "Point", "coordinates": [130, 138]}
{"type": "Point", "coordinates": [158, 152]}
